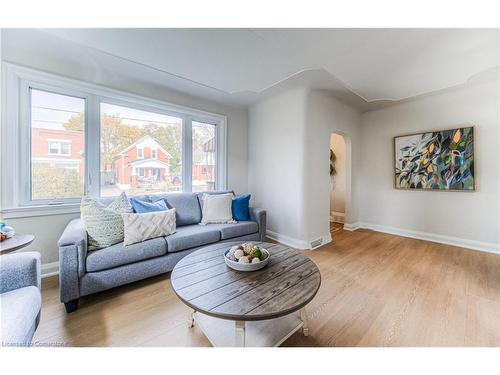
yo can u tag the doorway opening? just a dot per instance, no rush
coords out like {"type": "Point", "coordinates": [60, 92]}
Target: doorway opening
{"type": "Point", "coordinates": [338, 182]}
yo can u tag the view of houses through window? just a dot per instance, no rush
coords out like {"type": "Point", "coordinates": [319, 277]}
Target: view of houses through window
{"type": "Point", "coordinates": [141, 151]}
{"type": "Point", "coordinates": [57, 149]}
{"type": "Point", "coordinates": [203, 170]}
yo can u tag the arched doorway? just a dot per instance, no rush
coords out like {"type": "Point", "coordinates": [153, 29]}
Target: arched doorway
{"type": "Point", "coordinates": [338, 182]}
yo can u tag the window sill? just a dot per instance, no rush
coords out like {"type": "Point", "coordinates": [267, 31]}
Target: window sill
{"type": "Point", "coordinates": [46, 210]}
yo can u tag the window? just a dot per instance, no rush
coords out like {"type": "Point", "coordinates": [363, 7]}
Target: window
{"type": "Point", "coordinates": [77, 139]}
{"type": "Point", "coordinates": [204, 156]}
{"type": "Point", "coordinates": [56, 121]}
{"type": "Point", "coordinates": [59, 148]}
{"type": "Point", "coordinates": [140, 153]}
{"type": "Point", "coordinates": [54, 148]}
{"type": "Point", "coordinates": [65, 148]}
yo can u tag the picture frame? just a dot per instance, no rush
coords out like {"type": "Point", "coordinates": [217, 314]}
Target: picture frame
{"type": "Point", "coordinates": [435, 160]}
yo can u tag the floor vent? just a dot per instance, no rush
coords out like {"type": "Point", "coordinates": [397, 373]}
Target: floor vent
{"type": "Point", "coordinates": [316, 243]}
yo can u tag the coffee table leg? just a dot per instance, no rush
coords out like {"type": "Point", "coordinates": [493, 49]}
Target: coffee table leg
{"type": "Point", "coordinates": [239, 333]}
{"type": "Point", "coordinates": [303, 317]}
{"type": "Point", "coordinates": [191, 319]}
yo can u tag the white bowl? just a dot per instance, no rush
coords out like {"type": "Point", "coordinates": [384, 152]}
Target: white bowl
{"type": "Point", "coordinates": [8, 231]}
{"type": "Point", "coordinates": [246, 267]}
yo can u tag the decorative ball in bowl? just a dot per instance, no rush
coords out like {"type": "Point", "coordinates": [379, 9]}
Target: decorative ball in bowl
{"type": "Point", "coordinates": [246, 257]}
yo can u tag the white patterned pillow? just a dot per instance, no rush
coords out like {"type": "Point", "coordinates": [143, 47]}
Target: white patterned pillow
{"type": "Point", "coordinates": [141, 227]}
{"type": "Point", "coordinates": [217, 209]}
{"type": "Point", "coordinates": [104, 224]}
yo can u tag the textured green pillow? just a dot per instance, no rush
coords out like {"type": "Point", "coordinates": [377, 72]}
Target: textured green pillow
{"type": "Point", "coordinates": [104, 225]}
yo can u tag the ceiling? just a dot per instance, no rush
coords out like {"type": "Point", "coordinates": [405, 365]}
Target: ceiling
{"type": "Point", "coordinates": [362, 66]}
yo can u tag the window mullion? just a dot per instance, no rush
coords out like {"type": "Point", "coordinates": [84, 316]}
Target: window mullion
{"type": "Point", "coordinates": [187, 153]}
{"type": "Point", "coordinates": [221, 155]}
{"type": "Point", "coordinates": [92, 146]}
{"type": "Point", "coordinates": [24, 151]}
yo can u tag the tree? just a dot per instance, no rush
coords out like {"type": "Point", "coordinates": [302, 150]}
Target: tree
{"type": "Point", "coordinates": [115, 137]}
{"type": "Point", "coordinates": [170, 138]}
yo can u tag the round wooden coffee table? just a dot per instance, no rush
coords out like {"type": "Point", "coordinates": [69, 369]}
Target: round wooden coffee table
{"type": "Point", "coordinates": [260, 308]}
{"type": "Point", "coordinates": [18, 241]}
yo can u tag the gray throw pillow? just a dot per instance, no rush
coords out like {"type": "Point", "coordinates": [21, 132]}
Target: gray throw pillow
{"type": "Point", "coordinates": [104, 224]}
{"type": "Point", "coordinates": [144, 226]}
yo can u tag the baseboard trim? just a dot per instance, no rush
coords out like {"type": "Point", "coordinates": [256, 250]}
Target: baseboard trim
{"type": "Point", "coordinates": [287, 240]}
{"type": "Point", "coordinates": [432, 237]}
{"type": "Point", "coordinates": [352, 227]}
{"type": "Point", "coordinates": [294, 242]}
{"type": "Point", "coordinates": [50, 269]}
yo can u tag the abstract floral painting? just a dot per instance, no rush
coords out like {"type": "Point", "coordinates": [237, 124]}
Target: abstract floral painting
{"type": "Point", "coordinates": [440, 160]}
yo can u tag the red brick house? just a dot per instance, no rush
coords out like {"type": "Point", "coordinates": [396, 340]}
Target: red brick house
{"type": "Point", "coordinates": [143, 162]}
{"type": "Point", "coordinates": [59, 148]}
{"type": "Point", "coordinates": [204, 166]}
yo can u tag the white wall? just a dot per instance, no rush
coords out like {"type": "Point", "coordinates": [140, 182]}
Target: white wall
{"type": "Point", "coordinates": [276, 161]}
{"type": "Point", "coordinates": [43, 52]}
{"type": "Point", "coordinates": [289, 143]}
{"type": "Point", "coordinates": [326, 115]}
{"type": "Point", "coordinates": [338, 191]}
{"type": "Point", "coordinates": [471, 216]}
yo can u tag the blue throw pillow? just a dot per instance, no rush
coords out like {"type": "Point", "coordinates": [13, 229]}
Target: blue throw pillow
{"type": "Point", "coordinates": [240, 207]}
{"type": "Point", "coordinates": [141, 207]}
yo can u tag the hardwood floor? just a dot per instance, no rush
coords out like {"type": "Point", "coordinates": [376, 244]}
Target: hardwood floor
{"type": "Point", "coordinates": [377, 290]}
{"type": "Point", "coordinates": [335, 227]}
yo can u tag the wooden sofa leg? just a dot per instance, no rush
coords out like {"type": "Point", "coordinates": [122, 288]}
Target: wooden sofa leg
{"type": "Point", "coordinates": [71, 306]}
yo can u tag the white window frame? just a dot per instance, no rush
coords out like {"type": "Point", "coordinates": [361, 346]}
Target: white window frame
{"type": "Point", "coordinates": [24, 140]}
{"type": "Point", "coordinates": [15, 198]}
{"type": "Point", "coordinates": [156, 153]}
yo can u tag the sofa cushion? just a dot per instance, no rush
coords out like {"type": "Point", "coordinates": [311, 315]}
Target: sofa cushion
{"type": "Point", "coordinates": [142, 227]}
{"type": "Point", "coordinates": [242, 228]}
{"type": "Point", "coordinates": [141, 206]}
{"type": "Point", "coordinates": [104, 224]}
{"type": "Point", "coordinates": [19, 309]}
{"type": "Point", "coordinates": [215, 192]}
{"type": "Point", "coordinates": [216, 209]}
{"type": "Point", "coordinates": [240, 207]}
{"type": "Point", "coordinates": [187, 208]}
{"type": "Point", "coordinates": [190, 236]}
{"type": "Point", "coordinates": [119, 254]}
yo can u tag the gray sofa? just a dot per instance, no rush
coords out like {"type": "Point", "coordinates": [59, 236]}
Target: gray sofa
{"type": "Point", "coordinates": [83, 272]}
{"type": "Point", "coordinates": [20, 297]}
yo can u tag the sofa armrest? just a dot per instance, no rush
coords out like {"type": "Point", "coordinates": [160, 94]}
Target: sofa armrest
{"type": "Point", "coordinates": [19, 271]}
{"type": "Point", "coordinates": [260, 217]}
{"type": "Point", "coordinates": [72, 256]}
{"type": "Point", "coordinates": [74, 234]}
